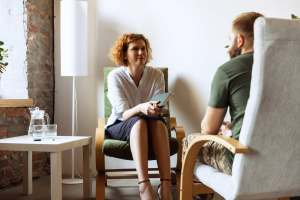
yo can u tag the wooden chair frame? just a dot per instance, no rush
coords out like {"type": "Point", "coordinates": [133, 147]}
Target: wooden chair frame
{"type": "Point", "coordinates": [190, 188]}
{"type": "Point", "coordinates": [102, 175]}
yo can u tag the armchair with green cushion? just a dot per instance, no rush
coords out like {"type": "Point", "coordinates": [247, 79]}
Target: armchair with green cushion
{"type": "Point", "coordinates": [121, 149]}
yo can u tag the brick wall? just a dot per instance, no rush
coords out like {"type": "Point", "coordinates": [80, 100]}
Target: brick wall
{"type": "Point", "coordinates": [40, 51]}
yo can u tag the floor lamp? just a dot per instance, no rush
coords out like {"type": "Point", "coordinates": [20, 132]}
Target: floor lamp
{"type": "Point", "coordinates": [73, 54]}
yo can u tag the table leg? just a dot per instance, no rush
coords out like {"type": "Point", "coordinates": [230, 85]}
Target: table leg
{"type": "Point", "coordinates": [56, 180]}
{"type": "Point", "coordinates": [86, 172]}
{"type": "Point", "coordinates": [27, 173]}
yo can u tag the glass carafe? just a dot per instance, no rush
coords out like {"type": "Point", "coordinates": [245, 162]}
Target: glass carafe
{"type": "Point", "coordinates": [37, 118]}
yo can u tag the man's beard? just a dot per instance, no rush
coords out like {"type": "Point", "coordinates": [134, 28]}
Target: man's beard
{"type": "Point", "coordinates": [234, 53]}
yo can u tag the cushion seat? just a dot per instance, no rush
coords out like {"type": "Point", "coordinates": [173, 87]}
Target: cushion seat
{"type": "Point", "coordinates": [222, 183]}
{"type": "Point", "coordinates": [121, 149]}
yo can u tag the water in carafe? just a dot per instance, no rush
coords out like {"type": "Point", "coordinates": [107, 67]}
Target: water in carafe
{"type": "Point", "coordinates": [37, 118]}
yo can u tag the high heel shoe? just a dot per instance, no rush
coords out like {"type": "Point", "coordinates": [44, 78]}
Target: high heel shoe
{"type": "Point", "coordinates": [159, 195]}
{"type": "Point", "coordinates": [144, 181]}
{"type": "Point", "coordinates": [147, 181]}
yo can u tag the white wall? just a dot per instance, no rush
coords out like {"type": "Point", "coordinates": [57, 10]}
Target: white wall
{"type": "Point", "coordinates": [186, 36]}
{"type": "Point", "coordinates": [13, 83]}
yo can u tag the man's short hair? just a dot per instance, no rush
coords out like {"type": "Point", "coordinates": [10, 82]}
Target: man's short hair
{"type": "Point", "coordinates": [244, 24]}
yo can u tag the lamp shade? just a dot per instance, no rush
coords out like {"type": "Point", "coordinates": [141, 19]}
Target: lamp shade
{"type": "Point", "coordinates": [73, 38]}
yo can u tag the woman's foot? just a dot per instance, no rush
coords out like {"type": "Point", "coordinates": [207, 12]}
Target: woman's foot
{"type": "Point", "coordinates": [146, 190]}
{"type": "Point", "coordinates": [164, 189]}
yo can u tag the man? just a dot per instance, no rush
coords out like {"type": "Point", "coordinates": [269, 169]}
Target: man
{"type": "Point", "coordinates": [229, 89]}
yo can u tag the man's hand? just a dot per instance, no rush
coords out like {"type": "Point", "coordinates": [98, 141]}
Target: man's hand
{"type": "Point", "coordinates": [226, 129]}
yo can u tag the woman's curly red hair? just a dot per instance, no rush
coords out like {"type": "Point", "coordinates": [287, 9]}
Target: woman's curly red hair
{"type": "Point", "coordinates": [119, 49]}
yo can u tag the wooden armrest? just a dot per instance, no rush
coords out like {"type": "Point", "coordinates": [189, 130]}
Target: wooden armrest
{"type": "Point", "coordinates": [178, 129]}
{"type": "Point", "coordinates": [191, 155]}
{"type": "Point", "coordinates": [99, 139]}
{"type": "Point", "coordinates": [231, 144]}
{"type": "Point", "coordinates": [173, 123]}
{"type": "Point", "coordinates": [179, 136]}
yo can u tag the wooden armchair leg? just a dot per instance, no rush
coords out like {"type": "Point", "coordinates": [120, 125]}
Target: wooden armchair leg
{"type": "Point", "coordinates": [100, 161]}
{"type": "Point", "coordinates": [100, 186]}
{"type": "Point", "coordinates": [179, 136]}
{"type": "Point", "coordinates": [173, 177]}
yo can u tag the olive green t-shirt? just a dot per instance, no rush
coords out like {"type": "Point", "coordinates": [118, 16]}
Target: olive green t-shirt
{"type": "Point", "coordinates": [230, 88]}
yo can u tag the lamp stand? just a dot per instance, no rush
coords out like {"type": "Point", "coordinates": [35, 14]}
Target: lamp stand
{"type": "Point", "coordinates": [73, 180]}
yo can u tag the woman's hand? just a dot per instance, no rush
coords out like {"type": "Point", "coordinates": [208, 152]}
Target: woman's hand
{"type": "Point", "coordinates": [150, 108]}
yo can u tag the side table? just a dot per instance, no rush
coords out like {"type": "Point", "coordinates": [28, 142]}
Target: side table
{"type": "Point", "coordinates": [55, 147]}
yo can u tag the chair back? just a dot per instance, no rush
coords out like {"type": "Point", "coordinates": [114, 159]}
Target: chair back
{"type": "Point", "coordinates": [107, 105]}
{"type": "Point", "coordinates": [271, 127]}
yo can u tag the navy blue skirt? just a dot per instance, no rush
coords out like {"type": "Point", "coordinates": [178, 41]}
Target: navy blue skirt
{"type": "Point", "coordinates": [120, 130]}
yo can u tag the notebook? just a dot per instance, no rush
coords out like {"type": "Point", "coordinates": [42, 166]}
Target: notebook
{"type": "Point", "coordinates": [162, 98]}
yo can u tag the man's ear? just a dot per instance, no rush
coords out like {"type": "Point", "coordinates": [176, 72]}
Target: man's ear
{"type": "Point", "coordinates": [240, 41]}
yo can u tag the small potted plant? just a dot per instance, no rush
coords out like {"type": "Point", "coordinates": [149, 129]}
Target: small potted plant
{"type": "Point", "coordinates": [3, 57]}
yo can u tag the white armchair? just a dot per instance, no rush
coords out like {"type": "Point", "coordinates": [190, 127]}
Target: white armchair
{"type": "Point", "coordinates": [267, 160]}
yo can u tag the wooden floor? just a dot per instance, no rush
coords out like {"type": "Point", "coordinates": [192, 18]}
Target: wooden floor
{"type": "Point", "coordinates": [117, 190]}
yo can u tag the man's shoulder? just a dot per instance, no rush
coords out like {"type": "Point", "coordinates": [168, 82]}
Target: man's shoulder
{"type": "Point", "coordinates": [232, 62]}
{"type": "Point", "coordinates": [237, 63]}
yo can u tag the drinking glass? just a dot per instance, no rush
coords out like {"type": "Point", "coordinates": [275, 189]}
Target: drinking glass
{"type": "Point", "coordinates": [37, 132]}
{"type": "Point", "coordinates": [50, 131]}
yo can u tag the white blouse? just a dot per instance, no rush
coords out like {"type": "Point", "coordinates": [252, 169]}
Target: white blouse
{"type": "Point", "coordinates": [123, 94]}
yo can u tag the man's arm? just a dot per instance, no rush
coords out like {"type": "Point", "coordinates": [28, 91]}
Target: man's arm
{"type": "Point", "coordinates": [212, 120]}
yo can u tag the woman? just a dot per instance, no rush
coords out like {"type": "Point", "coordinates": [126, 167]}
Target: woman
{"type": "Point", "coordinates": [134, 117]}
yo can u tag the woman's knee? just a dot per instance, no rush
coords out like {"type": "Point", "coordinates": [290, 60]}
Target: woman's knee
{"type": "Point", "coordinates": [157, 124]}
{"type": "Point", "coordinates": [158, 127]}
{"type": "Point", "coordinates": [139, 128]}
{"type": "Point", "coordinates": [140, 122]}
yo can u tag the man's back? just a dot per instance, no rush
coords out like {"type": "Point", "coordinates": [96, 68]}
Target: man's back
{"type": "Point", "coordinates": [230, 88]}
